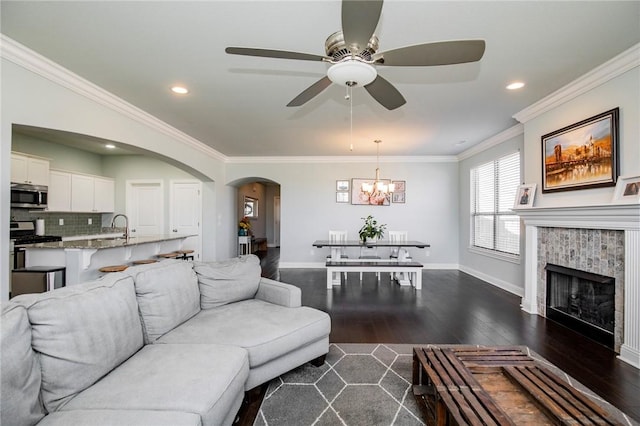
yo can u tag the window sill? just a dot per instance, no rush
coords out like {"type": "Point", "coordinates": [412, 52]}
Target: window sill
{"type": "Point", "coordinates": [512, 258]}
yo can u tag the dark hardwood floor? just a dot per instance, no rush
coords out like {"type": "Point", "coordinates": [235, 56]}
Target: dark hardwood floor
{"type": "Point", "coordinates": [457, 308]}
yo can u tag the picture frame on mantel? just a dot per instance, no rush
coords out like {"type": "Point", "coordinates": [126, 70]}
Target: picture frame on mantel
{"type": "Point", "coordinates": [525, 196]}
{"type": "Point", "coordinates": [583, 155]}
{"type": "Point", "coordinates": [627, 190]}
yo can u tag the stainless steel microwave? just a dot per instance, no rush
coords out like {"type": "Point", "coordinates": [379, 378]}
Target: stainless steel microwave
{"type": "Point", "coordinates": [29, 196]}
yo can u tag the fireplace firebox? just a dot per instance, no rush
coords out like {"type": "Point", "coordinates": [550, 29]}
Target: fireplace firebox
{"type": "Point", "coordinates": [582, 301]}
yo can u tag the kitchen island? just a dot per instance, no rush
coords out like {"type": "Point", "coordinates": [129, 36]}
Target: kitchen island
{"type": "Point", "coordinates": [83, 258]}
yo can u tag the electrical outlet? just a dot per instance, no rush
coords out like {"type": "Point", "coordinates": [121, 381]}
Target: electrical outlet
{"type": "Point", "coordinates": [60, 222]}
{"type": "Point", "coordinates": [89, 221]}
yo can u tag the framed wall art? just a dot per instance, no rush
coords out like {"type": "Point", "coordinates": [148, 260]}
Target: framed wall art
{"type": "Point", "coordinates": [250, 207]}
{"type": "Point", "coordinates": [400, 185]}
{"type": "Point", "coordinates": [582, 155]}
{"type": "Point", "coordinates": [524, 196]}
{"type": "Point", "coordinates": [627, 190]}
{"type": "Point", "coordinates": [398, 198]}
{"type": "Point", "coordinates": [342, 185]}
{"type": "Point", "coordinates": [342, 197]}
{"type": "Point", "coordinates": [360, 197]}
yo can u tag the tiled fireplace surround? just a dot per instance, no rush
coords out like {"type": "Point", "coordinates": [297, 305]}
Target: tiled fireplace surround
{"type": "Point", "coordinates": [601, 239]}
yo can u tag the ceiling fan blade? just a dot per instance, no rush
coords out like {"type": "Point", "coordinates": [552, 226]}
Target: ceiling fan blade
{"type": "Point", "coordinates": [310, 92]}
{"type": "Point", "coordinates": [439, 53]}
{"type": "Point", "coordinates": [384, 92]}
{"type": "Point", "coordinates": [359, 21]}
{"type": "Point", "coordinates": [270, 53]}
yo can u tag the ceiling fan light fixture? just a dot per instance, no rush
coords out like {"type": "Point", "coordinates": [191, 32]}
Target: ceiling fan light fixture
{"type": "Point", "coordinates": [344, 73]}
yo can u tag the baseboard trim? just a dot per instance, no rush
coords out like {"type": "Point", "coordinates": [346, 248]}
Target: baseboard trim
{"type": "Point", "coordinates": [504, 285]}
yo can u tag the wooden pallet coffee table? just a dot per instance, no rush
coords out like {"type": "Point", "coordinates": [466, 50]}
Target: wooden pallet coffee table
{"type": "Point", "coordinates": [459, 385]}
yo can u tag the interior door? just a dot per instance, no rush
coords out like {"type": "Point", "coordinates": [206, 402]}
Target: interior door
{"type": "Point", "coordinates": [145, 207]}
{"type": "Point", "coordinates": [185, 213]}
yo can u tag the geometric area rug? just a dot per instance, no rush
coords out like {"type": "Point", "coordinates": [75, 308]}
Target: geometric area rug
{"type": "Point", "coordinates": [362, 384]}
{"type": "Point", "coordinates": [359, 384]}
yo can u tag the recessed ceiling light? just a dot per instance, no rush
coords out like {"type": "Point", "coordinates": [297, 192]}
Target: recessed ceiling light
{"type": "Point", "coordinates": [180, 90]}
{"type": "Point", "coordinates": [515, 85]}
{"type": "Point", "coordinates": [110, 146]}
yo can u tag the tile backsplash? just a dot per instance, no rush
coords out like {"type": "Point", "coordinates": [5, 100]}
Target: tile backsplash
{"type": "Point", "coordinates": [74, 223]}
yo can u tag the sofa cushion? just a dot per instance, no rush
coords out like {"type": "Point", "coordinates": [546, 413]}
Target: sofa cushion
{"type": "Point", "coordinates": [19, 370]}
{"type": "Point", "coordinates": [266, 330]}
{"type": "Point", "coordinates": [167, 294]}
{"type": "Point", "coordinates": [121, 418]}
{"type": "Point", "coordinates": [81, 333]}
{"type": "Point", "coordinates": [228, 281]}
{"type": "Point", "coordinates": [204, 379]}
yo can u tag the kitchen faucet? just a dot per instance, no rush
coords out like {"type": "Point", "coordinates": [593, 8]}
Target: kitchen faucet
{"type": "Point", "coordinates": [126, 224]}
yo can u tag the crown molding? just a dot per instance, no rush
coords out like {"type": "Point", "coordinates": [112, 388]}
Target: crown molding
{"type": "Point", "coordinates": [611, 69]}
{"type": "Point", "coordinates": [503, 136]}
{"type": "Point", "coordinates": [343, 159]}
{"type": "Point", "coordinates": [30, 60]}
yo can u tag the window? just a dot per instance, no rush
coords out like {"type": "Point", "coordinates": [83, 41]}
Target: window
{"type": "Point", "coordinates": [493, 190]}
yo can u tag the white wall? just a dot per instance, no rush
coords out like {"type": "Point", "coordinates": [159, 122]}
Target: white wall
{"type": "Point", "coordinates": [504, 274]}
{"type": "Point", "coordinates": [309, 209]}
{"type": "Point", "coordinates": [623, 92]}
{"type": "Point", "coordinates": [614, 84]}
{"type": "Point", "coordinates": [38, 93]}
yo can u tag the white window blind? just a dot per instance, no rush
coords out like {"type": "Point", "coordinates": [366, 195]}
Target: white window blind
{"type": "Point", "coordinates": [493, 191]}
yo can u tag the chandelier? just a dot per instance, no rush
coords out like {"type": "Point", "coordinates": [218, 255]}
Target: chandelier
{"type": "Point", "coordinates": [378, 188]}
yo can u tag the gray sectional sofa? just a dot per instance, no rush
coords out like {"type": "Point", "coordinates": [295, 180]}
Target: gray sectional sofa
{"type": "Point", "coordinates": [172, 343]}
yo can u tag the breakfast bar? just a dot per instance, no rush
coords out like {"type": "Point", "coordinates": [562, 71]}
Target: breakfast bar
{"type": "Point", "coordinates": [83, 258]}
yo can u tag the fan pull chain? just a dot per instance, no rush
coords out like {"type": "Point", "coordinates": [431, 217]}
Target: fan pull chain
{"type": "Point", "coordinates": [350, 95]}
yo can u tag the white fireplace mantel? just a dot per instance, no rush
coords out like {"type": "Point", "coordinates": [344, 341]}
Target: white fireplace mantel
{"type": "Point", "coordinates": [609, 216]}
{"type": "Point", "coordinates": [624, 217]}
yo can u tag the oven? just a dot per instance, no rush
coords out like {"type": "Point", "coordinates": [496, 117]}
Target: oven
{"type": "Point", "coordinates": [34, 279]}
{"type": "Point", "coordinates": [29, 196]}
{"type": "Point", "coordinates": [24, 232]}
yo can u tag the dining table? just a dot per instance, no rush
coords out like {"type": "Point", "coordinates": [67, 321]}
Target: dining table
{"type": "Point", "coordinates": [361, 264]}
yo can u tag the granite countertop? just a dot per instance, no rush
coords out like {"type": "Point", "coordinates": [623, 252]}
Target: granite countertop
{"type": "Point", "coordinates": [105, 242]}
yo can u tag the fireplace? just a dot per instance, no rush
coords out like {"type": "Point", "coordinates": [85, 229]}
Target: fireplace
{"type": "Point", "coordinates": [582, 301]}
{"type": "Point", "coordinates": [601, 239]}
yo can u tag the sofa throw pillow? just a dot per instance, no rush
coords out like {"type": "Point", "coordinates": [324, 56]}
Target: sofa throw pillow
{"type": "Point", "coordinates": [81, 333]}
{"type": "Point", "coordinates": [228, 281]}
{"type": "Point", "coordinates": [167, 294]}
{"type": "Point", "coordinates": [19, 370]}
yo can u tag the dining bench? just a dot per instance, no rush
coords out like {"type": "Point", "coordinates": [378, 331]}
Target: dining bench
{"type": "Point", "coordinates": [413, 269]}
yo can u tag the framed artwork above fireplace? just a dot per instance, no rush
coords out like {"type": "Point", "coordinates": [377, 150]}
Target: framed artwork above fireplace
{"type": "Point", "coordinates": [582, 155]}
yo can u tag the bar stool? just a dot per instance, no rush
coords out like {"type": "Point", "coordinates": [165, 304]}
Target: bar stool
{"type": "Point", "coordinates": [144, 261]}
{"type": "Point", "coordinates": [186, 254]}
{"type": "Point", "coordinates": [172, 255]}
{"type": "Point", "coordinates": [113, 268]}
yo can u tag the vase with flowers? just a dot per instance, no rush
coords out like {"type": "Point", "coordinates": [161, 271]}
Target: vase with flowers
{"type": "Point", "coordinates": [371, 229]}
{"type": "Point", "coordinates": [244, 226]}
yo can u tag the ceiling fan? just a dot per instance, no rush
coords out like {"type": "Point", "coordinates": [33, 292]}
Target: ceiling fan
{"type": "Point", "coordinates": [353, 54]}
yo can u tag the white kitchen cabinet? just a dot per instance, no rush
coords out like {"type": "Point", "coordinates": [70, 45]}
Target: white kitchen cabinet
{"type": "Point", "coordinates": [82, 193]}
{"type": "Point", "coordinates": [104, 195]}
{"type": "Point", "coordinates": [59, 191]}
{"type": "Point", "coordinates": [71, 192]}
{"type": "Point", "coordinates": [31, 170]}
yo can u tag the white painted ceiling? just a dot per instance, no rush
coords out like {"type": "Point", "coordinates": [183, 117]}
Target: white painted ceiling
{"type": "Point", "coordinates": [237, 104]}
